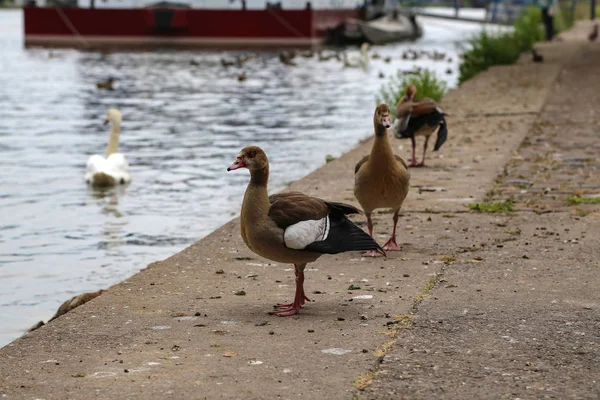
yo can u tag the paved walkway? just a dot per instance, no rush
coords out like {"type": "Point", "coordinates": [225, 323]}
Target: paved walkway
{"type": "Point", "coordinates": [475, 306]}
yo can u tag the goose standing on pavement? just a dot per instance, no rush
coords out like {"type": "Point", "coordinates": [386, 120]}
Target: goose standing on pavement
{"type": "Point", "coordinates": [381, 179]}
{"type": "Point", "coordinates": [420, 118]}
{"type": "Point", "coordinates": [293, 227]}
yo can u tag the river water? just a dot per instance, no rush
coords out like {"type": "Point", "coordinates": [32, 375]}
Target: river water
{"type": "Point", "coordinates": [183, 124]}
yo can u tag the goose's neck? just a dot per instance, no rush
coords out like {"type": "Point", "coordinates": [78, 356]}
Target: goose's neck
{"type": "Point", "coordinates": [382, 150]}
{"type": "Point", "coordinates": [113, 140]}
{"type": "Point", "coordinates": [255, 208]}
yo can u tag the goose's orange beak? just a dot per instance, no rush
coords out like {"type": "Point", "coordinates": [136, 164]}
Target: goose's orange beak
{"type": "Point", "coordinates": [239, 162]}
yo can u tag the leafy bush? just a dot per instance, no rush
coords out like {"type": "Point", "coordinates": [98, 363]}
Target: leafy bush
{"type": "Point", "coordinates": [426, 82]}
{"type": "Point", "coordinates": [488, 49]}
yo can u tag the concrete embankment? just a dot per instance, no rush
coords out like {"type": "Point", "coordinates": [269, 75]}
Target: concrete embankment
{"type": "Point", "coordinates": [474, 306]}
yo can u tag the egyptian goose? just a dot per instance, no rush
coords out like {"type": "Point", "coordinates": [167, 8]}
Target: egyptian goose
{"type": "Point", "coordinates": [293, 227]}
{"type": "Point", "coordinates": [420, 118]}
{"type": "Point", "coordinates": [114, 169]}
{"type": "Point", "coordinates": [381, 179]}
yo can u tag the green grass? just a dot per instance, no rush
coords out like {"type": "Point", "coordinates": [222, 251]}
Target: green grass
{"type": "Point", "coordinates": [426, 82]}
{"type": "Point", "coordinates": [329, 158]}
{"type": "Point", "coordinates": [583, 200]}
{"type": "Point", "coordinates": [488, 207]}
{"type": "Point", "coordinates": [489, 49]}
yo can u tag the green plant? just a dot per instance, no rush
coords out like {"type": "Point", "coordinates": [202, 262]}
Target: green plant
{"type": "Point", "coordinates": [583, 200]}
{"type": "Point", "coordinates": [488, 49]}
{"type": "Point", "coordinates": [426, 82]}
{"type": "Point", "coordinates": [488, 207]}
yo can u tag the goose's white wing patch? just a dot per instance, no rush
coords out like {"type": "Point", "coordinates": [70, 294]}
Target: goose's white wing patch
{"type": "Point", "coordinates": [303, 233]}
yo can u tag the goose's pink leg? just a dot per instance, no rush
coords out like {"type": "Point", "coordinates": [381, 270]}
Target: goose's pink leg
{"type": "Point", "coordinates": [371, 253]}
{"type": "Point", "coordinates": [413, 163]}
{"type": "Point", "coordinates": [422, 163]}
{"type": "Point", "coordinates": [287, 309]}
{"type": "Point", "coordinates": [391, 243]}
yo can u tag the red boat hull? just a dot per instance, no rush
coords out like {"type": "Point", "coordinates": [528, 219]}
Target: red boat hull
{"type": "Point", "coordinates": [101, 28]}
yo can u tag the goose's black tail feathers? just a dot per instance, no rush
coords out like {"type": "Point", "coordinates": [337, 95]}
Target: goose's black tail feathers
{"type": "Point", "coordinates": [344, 236]}
{"type": "Point", "coordinates": [442, 134]}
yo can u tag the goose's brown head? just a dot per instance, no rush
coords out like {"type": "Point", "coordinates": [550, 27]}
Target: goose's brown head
{"type": "Point", "coordinates": [382, 117]}
{"type": "Point", "coordinates": [411, 92]}
{"type": "Point", "coordinates": [251, 157]}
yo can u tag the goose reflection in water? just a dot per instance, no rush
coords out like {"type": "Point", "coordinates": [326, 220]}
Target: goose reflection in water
{"type": "Point", "coordinates": [113, 236]}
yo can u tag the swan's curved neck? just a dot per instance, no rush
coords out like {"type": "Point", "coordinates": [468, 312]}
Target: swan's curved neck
{"type": "Point", "coordinates": [113, 140]}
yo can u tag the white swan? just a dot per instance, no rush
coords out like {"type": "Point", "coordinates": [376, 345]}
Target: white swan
{"type": "Point", "coordinates": [358, 60]}
{"type": "Point", "coordinates": [113, 169]}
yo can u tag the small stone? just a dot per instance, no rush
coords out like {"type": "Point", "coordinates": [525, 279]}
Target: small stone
{"type": "Point", "coordinates": [240, 293]}
{"type": "Point", "coordinates": [311, 331]}
{"type": "Point", "coordinates": [428, 219]}
{"type": "Point", "coordinates": [526, 257]}
{"type": "Point", "coordinates": [341, 319]}
{"type": "Point", "coordinates": [406, 275]}
{"type": "Point", "coordinates": [126, 371]}
{"type": "Point", "coordinates": [119, 352]}
{"type": "Point", "coordinates": [198, 314]}
{"type": "Point", "coordinates": [219, 272]}
{"type": "Point", "coordinates": [271, 333]}
{"type": "Point", "coordinates": [353, 287]}
{"type": "Point", "coordinates": [365, 350]}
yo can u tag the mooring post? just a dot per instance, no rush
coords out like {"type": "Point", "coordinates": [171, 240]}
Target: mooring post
{"type": "Point", "coordinates": [593, 10]}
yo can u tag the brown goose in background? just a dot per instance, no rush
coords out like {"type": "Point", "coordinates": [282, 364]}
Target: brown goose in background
{"type": "Point", "coordinates": [381, 179]}
{"type": "Point", "coordinates": [293, 227]}
{"type": "Point", "coordinates": [326, 57]}
{"type": "Point", "coordinates": [287, 58]}
{"type": "Point", "coordinates": [106, 85]}
{"type": "Point", "coordinates": [594, 34]}
{"type": "Point", "coordinates": [420, 118]}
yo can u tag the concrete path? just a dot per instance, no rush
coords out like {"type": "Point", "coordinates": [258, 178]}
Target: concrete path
{"type": "Point", "coordinates": [474, 306]}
